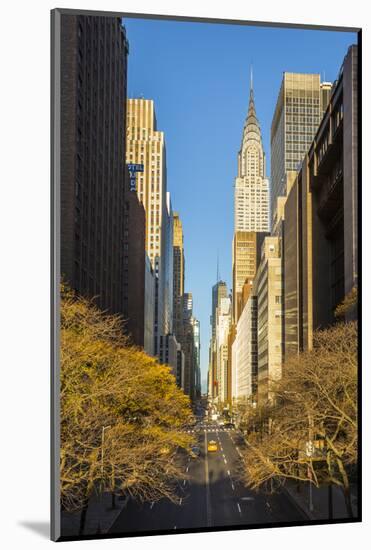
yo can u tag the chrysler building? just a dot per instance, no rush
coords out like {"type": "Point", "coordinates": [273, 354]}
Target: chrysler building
{"type": "Point", "coordinates": [251, 216]}
{"type": "Point", "coordinates": [251, 185]}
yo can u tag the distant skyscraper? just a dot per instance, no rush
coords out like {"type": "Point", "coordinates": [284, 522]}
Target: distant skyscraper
{"type": "Point", "coordinates": [301, 103]}
{"type": "Point", "coordinates": [178, 275]}
{"type": "Point", "coordinates": [138, 276]}
{"type": "Point", "coordinates": [219, 292]}
{"type": "Point", "coordinates": [223, 322]}
{"type": "Point", "coordinates": [251, 185]}
{"type": "Point", "coordinates": [197, 346]}
{"type": "Point", "coordinates": [244, 353]}
{"type": "Point", "coordinates": [268, 289]}
{"type": "Point", "coordinates": [188, 346]}
{"type": "Point", "coordinates": [146, 145]}
{"type": "Point", "coordinates": [167, 280]}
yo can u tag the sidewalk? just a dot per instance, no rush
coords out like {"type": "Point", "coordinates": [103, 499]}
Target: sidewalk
{"type": "Point", "coordinates": [99, 517]}
{"type": "Point", "coordinates": [320, 498]}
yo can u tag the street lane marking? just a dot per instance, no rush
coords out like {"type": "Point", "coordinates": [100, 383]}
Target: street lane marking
{"type": "Point", "coordinates": [247, 498]}
{"type": "Point", "coordinates": [184, 482]}
{"type": "Point", "coordinates": [152, 505]}
{"type": "Point", "coordinates": [239, 507]}
{"type": "Point", "coordinates": [180, 502]}
{"type": "Point", "coordinates": [228, 472]}
{"type": "Point", "coordinates": [208, 502]}
{"type": "Point", "coordinates": [225, 462]}
{"type": "Point", "coordinates": [187, 469]}
{"type": "Point", "coordinates": [232, 485]}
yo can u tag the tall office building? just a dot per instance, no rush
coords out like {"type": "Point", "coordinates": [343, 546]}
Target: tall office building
{"type": "Point", "coordinates": [93, 97]}
{"type": "Point", "coordinates": [188, 345]}
{"type": "Point", "coordinates": [268, 289]}
{"type": "Point", "coordinates": [321, 240]}
{"type": "Point", "coordinates": [223, 322]}
{"type": "Point", "coordinates": [244, 354]}
{"type": "Point", "coordinates": [138, 275]}
{"type": "Point", "coordinates": [219, 292]}
{"type": "Point", "coordinates": [146, 145]}
{"type": "Point", "coordinates": [301, 103]}
{"type": "Point", "coordinates": [178, 275]}
{"type": "Point", "coordinates": [197, 348]}
{"type": "Point", "coordinates": [251, 202]}
{"type": "Point", "coordinates": [167, 279]}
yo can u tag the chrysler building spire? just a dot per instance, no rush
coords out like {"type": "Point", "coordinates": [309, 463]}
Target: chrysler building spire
{"type": "Point", "coordinates": [251, 185]}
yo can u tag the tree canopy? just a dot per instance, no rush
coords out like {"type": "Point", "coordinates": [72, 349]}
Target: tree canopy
{"type": "Point", "coordinates": [309, 431]}
{"type": "Point", "coordinates": [122, 415]}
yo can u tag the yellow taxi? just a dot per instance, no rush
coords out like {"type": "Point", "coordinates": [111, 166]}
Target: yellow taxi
{"type": "Point", "coordinates": [212, 446]}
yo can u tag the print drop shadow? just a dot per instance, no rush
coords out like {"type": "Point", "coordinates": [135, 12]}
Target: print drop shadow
{"type": "Point", "coordinates": [41, 528]}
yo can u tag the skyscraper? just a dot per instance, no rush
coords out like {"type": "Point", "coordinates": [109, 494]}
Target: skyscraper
{"type": "Point", "coordinates": [321, 248]}
{"type": "Point", "coordinates": [223, 322]}
{"type": "Point", "coordinates": [219, 292]}
{"type": "Point", "coordinates": [93, 97]}
{"type": "Point", "coordinates": [301, 103]}
{"type": "Point", "coordinates": [197, 348]}
{"type": "Point", "coordinates": [146, 145]}
{"type": "Point", "coordinates": [188, 346]}
{"type": "Point", "coordinates": [251, 205]}
{"type": "Point", "coordinates": [138, 276]}
{"type": "Point", "coordinates": [167, 279]}
{"type": "Point", "coordinates": [251, 185]}
{"type": "Point", "coordinates": [178, 275]}
{"type": "Point", "coordinates": [244, 366]}
{"type": "Point", "coordinates": [268, 289]}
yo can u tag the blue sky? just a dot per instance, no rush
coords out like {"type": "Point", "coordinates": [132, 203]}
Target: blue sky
{"type": "Point", "coordinates": [198, 75]}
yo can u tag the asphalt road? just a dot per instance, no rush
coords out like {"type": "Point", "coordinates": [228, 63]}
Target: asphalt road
{"type": "Point", "coordinates": [212, 496]}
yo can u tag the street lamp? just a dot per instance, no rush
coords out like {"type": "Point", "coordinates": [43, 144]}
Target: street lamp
{"type": "Point", "coordinates": [104, 428]}
{"type": "Point", "coordinates": [309, 453]}
{"type": "Point", "coordinates": [102, 457]}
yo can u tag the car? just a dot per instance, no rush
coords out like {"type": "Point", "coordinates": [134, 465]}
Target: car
{"type": "Point", "coordinates": [229, 425]}
{"type": "Point", "coordinates": [195, 452]}
{"type": "Point", "coordinates": [212, 446]}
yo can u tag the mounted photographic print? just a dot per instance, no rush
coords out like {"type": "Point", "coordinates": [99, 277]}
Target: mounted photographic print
{"type": "Point", "coordinates": [205, 274]}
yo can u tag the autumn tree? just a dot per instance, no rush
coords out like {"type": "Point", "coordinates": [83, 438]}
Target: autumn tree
{"type": "Point", "coordinates": [309, 431]}
{"type": "Point", "coordinates": [122, 415]}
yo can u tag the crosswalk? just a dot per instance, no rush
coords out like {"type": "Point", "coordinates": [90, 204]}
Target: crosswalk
{"type": "Point", "coordinates": [211, 430]}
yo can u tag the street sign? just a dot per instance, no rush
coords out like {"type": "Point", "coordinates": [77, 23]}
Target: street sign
{"type": "Point", "coordinates": [133, 169]}
{"type": "Point", "coordinates": [309, 448]}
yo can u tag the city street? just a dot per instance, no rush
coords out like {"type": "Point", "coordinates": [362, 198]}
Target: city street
{"type": "Point", "coordinates": [212, 496]}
